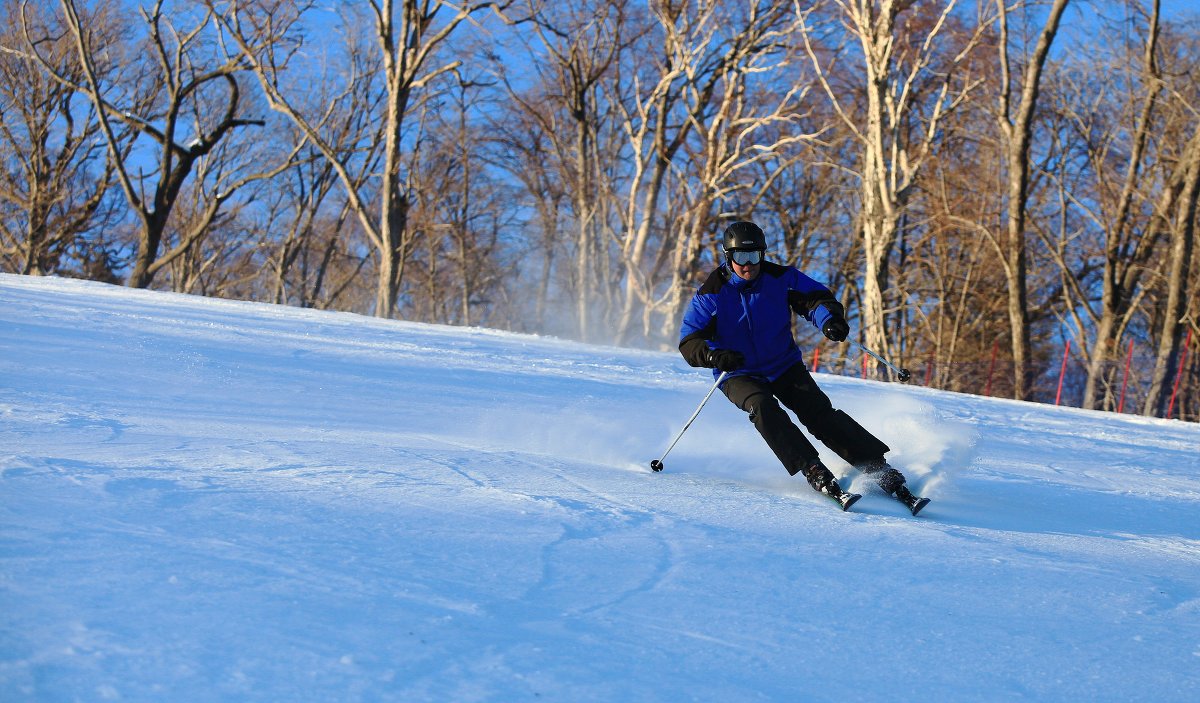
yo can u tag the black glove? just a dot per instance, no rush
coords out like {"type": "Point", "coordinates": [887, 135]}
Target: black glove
{"type": "Point", "coordinates": [836, 328]}
{"type": "Point", "coordinates": [726, 359]}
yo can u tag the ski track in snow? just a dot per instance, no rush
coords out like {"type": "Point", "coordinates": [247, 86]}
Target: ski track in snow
{"type": "Point", "coordinates": [208, 500]}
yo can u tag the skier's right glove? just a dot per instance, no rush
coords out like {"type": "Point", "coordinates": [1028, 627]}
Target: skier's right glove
{"type": "Point", "coordinates": [726, 359]}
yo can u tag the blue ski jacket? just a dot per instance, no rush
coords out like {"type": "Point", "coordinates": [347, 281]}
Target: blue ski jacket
{"type": "Point", "coordinates": [754, 318]}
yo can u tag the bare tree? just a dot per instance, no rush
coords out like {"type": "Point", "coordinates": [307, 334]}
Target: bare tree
{"type": "Point", "coordinates": [580, 45]}
{"type": "Point", "coordinates": [308, 233]}
{"type": "Point", "coordinates": [458, 214]}
{"type": "Point", "coordinates": [1114, 111]}
{"type": "Point", "coordinates": [304, 237]}
{"type": "Point", "coordinates": [911, 81]}
{"type": "Point", "coordinates": [56, 174]}
{"type": "Point", "coordinates": [1016, 127]}
{"type": "Point", "coordinates": [952, 274]}
{"type": "Point", "coordinates": [1180, 209]}
{"type": "Point", "coordinates": [1173, 306]}
{"type": "Point", "coordinates": [744, 111]}
{"type": "Point", "coordinates": [217, 264]}
{"type": "Point", "coordinates": [701, 109]}
{"type": "Point", "coordinates": [176, 98]}
{"type": "Point", "coordinates": [407, 35]}
{"type": "Point", "coordinates": [524, 149]}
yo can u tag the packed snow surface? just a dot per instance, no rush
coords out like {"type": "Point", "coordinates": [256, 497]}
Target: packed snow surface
{"type": "Point", "coordinates": [206, 500]}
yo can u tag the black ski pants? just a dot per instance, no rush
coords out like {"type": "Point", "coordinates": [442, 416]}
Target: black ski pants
{"type": "Point", "coordinates": [797, 391]}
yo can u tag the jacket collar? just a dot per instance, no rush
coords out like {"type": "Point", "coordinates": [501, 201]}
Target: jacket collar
{"type": "Point", "coordinates": [737, 281]}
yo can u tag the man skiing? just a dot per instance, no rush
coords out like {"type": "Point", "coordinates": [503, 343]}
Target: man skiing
{"type": "Point", "coordinates": [740, 322]}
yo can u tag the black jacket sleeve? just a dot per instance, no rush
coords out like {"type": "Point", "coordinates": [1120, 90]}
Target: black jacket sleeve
{"type": "Point", "coordinates": [694, 347]}
{"type": "Point", "coordinates": [803, 304]}
{"type": "Point", "coordinates": [699, 325]}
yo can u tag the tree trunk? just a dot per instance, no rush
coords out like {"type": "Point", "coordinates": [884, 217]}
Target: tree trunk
{"type": "Point", "coordinates": [1183, 234]}
{"type": "Point", "coordinates": [1018, 134]}
{"type": "Point", "coordinates": [583, 254]}
{"type": "Point", "coordinates": [878, 209]}
{"type": "Point", "coordinates": [1116, 306]}
{"type": "Point", "coordinates": [1016, 269]}
{"type": "Point", "coordinates": [149, 242]}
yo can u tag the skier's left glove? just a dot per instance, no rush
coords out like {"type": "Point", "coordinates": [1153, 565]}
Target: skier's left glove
{"type": "Point", "coordinates": [836, 328]}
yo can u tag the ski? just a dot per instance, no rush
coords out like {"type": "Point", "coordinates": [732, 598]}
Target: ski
{"type": "Point", "coordinates": [913, 503]}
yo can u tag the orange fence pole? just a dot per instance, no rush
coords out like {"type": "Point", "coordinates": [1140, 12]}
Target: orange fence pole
{"type": "Point", "coordinates": [991, 368]}
{"type": "Point", "coordinates": [1179, 373]}
{"type": "Point", "coordinates": [1062, 372]}
{"type": "Point", "coordinates": [1125, 379]}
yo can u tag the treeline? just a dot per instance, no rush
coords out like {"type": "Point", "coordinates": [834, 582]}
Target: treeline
{"type": "Point", "coordinates": [972, 178]}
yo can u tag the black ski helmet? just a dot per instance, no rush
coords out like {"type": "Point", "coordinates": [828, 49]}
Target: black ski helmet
{"type": "Point", "coordinates": [744, 235]}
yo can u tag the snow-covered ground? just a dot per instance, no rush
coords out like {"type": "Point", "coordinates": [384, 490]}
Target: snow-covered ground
{"type": "Point", "coordinates": [205, 500]}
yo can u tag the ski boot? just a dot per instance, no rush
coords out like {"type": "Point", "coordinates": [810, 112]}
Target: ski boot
{"type": "Point", "coordinates": [914, 503]}
{"type": "Point", "coordinates": [823, 481]}
{"type": "Point", "coordinates": [892, 483]}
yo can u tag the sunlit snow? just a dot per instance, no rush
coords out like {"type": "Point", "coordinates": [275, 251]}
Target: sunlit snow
{"type": "Point", "coordinates": [206, 500]}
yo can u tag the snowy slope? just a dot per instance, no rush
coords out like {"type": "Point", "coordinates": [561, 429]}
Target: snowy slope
{"type": "Point", "coordinates": [205, 500]}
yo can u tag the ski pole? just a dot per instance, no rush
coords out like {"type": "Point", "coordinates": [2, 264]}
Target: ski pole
{"type": "Point", "coordinates": [903, 374]}
{"type": "Point", "coordinates": [657, 464]}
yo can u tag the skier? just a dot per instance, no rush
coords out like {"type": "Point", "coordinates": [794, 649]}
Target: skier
{"type": "Point", "coordinates": [739, 322]}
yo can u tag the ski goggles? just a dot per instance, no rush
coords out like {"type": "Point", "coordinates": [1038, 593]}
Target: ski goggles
{"type": "Point", "coordinates": [745, 257]}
